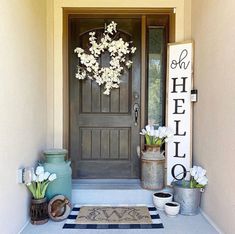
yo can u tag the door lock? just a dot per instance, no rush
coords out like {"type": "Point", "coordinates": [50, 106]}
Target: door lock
{"type": "Point", "coordinates": [136, 108]}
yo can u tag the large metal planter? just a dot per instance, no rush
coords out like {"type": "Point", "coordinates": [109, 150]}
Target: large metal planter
{"type": "Point", "coordinates": [189, 198]}
{"type": "Point", "coordinates": [152, 169]}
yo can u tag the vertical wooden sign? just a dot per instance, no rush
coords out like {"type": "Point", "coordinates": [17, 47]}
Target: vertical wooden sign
{"type": "Point", "coordinates": [179, 109]}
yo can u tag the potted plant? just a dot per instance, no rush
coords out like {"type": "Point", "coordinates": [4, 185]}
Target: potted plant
{"type": "Point", "coordinates": [188, 192]}
{"type": "Point", "coordinates": [37, 184]}
{"type": "Point", "coordinates": [152, 160]}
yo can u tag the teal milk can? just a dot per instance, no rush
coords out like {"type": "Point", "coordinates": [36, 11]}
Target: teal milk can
{"type": "Point", "coordinates": [55, 163]}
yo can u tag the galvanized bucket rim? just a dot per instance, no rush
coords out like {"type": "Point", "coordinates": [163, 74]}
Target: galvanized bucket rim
{"type": "Point", "coordinates": [176, 184]}
{"type": "Point", "coordinates": [158, 160]}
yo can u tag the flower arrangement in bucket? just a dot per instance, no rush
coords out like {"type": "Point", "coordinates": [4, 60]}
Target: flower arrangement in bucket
{"type": "Point", "coordinates": [37, 183]}
{"type": "Point", "coordinates": [152, 160]}
{"type": "Point", "coordinates": [119, 51]}
{"type": "Point", "coordinates": [188, 192]}
{"type": "Point", "coordinates": [155, 138]}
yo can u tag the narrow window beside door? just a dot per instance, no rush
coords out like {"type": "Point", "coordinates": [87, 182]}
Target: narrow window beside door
{"type": "Point", "coordinates": [156, 76]}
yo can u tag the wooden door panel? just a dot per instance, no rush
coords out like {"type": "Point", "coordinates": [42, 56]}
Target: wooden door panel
{"type": "Point", "coordinates": [105, 143]}
{"type": "Point", "coordinates": [103, 136]}
{"type": "Point", "coordinates": [94, 101]}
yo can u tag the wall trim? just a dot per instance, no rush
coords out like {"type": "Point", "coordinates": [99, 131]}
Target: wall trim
{"type": "Point", "coordinates": [24, 226]}
{"type": "Point", "coordinates": [210, 221]}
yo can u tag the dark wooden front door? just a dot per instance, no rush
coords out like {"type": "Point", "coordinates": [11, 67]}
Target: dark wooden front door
{"type": "Point", "coordinates": [103, 133]}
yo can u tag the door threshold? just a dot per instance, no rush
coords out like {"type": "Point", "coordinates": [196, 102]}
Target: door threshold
{"type": "Point", "coordinates": [106, 184]}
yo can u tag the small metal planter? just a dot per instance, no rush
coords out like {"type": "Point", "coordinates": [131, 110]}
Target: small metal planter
{"type": "Point", "coordinates": [38, 211]}
{"type": "Point", "coordinates": [189, 198]}
{"type": "Point", "coordinates": [152, 168]}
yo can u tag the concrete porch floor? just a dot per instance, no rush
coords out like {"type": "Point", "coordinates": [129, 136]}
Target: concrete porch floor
{"type": "Point", "coordinates": [125, 191]}
{"type": "Point", "coordinates": [178, 225]}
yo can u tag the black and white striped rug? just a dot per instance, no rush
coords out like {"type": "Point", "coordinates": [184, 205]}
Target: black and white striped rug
{"type": "Point", "coordinates": [71, 221]}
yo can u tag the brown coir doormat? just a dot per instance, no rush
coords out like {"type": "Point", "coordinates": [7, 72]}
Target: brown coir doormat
{"type": "Point", "coordinates": [113, 215]}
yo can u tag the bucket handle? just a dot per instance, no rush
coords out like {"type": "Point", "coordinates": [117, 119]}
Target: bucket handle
{"type": "Point", "coordinates": [178, 175]}
{"type": "Point", "coordinates": [202, 190]}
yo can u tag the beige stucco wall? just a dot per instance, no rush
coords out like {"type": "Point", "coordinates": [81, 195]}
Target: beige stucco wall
{"type": "Point", "coordinates": [214, 115]}
{"type": "Point", "coordinates": [22, 102]}
{"type": "Point", "coordinates": [55, 34]}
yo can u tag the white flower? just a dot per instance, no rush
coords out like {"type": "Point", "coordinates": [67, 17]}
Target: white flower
{"type": "Point", "coordinates": [133, 49]}
{"type": "Point", "coordinates": [52, 177]}
{"type": "Point", "coordinates": [156, 133]}
{"type": "Point", "coordinates": [34, 178]}
{"type": "Point", "coordinates": [143, 132]}
{"type": "Point", "coordinates": [202, 180]}
{"type": "Point", "coordinates": [78, 50]}
{"type": "Point", "coordinates": [162, 132]}
{"type": "Point", "coordinates": [149, 128]}
{"type": "Point", "coordinates": [40, 177]}
{"type": "Point", "coordinates": [193, 171]}
{"type": "Point", "coordinates": [39, 170]}
{"type": "Point", "coordinates": [197, 172]}
{"type": "Point", "coordinates": [129, 63]}
{"type": "Point", "coordinates": [46, 175]}
{"type": "Point", "coordinates": [200, 171]}
{"type": "Point", "coordinates": [152, 132]}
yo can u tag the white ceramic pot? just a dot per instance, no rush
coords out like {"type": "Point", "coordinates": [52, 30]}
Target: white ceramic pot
{"type": "Point", "coordinates": [160, 198]}
{"type": "Point", "coordinates": [172, 208]}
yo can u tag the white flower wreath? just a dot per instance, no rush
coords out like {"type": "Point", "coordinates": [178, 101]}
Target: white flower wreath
{"type": "Point", "coordinates": [89, 66]}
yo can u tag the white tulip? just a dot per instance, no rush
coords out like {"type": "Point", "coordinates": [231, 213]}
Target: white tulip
{"type": "Point", "coordinates": [52, 177]}
{"type": "Point", "coordinates": [202, 180]}
{"type": "Point", "coordinates": [196, 177]}
{"type": "Point", "coordinates": [201, 171]}
{"type": "Point", "coordinates": [40, 177]}
{"type": "Point", "coordinates": [46, 175]}
{"type": "Point", "coordinates": [162, 132]}
{"type": "Point", "coordinates": [156, 133]}
{"type": "Point", "coordinates": [143, 132]}
{"type": "Point", "coordinates": [34, 177]}
{"type": "Point", "coordinates": [152, 132]}
{"type": "Point", "coordinates": [193, 171]}
{"type": "Point", "coordinates": [39, 170]}
{"type": "Point", "coordinates": [149, 128]}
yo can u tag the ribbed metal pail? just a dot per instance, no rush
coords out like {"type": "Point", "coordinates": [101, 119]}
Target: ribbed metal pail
{"type": "Point", "coordinates": [152, 172]}
{"type": "Point", "coordinates": [189, 198]}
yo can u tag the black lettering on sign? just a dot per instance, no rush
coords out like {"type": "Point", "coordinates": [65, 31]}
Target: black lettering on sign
{"type": "Point", "coordinates": [177, 106]}
{"type": "Point", "coordinates": [183, 85]}
{"type": "Point", "coordinates": [184, 173]}
{"type": "Point", "coordinates": [177, 150]}
{"type": "Point", "coordinates": [177, 129]}
{"type": "Point", "coordinates": [181, 61]}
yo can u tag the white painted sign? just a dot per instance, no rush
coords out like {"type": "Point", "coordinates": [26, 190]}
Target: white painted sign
{"type": "Point", "coordinates": [179, 85]}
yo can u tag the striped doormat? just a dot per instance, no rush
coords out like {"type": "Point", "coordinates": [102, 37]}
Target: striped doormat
{"type": "Point", "coordinates": [72, 224]}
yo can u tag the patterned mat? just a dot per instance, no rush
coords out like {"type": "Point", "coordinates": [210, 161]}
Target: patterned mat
{"type": "Point", "coordinates": [155, 220]}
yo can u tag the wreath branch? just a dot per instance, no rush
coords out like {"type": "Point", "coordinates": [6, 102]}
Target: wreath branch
{"type": "Point", "coordinates": [120, 51]}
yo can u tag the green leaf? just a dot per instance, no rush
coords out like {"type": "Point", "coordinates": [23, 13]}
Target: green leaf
{"type": "Point", "coordinates": [44, 189]}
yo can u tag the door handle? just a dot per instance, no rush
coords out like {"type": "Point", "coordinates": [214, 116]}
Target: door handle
{"type": "Point", "coordinates": [136, 112]}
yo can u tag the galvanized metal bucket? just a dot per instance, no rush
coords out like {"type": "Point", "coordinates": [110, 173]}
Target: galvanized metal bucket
{"type": "Point", "coordinates": [152, 170]}
{"type": "Point", "coordinates": [189, 198]}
